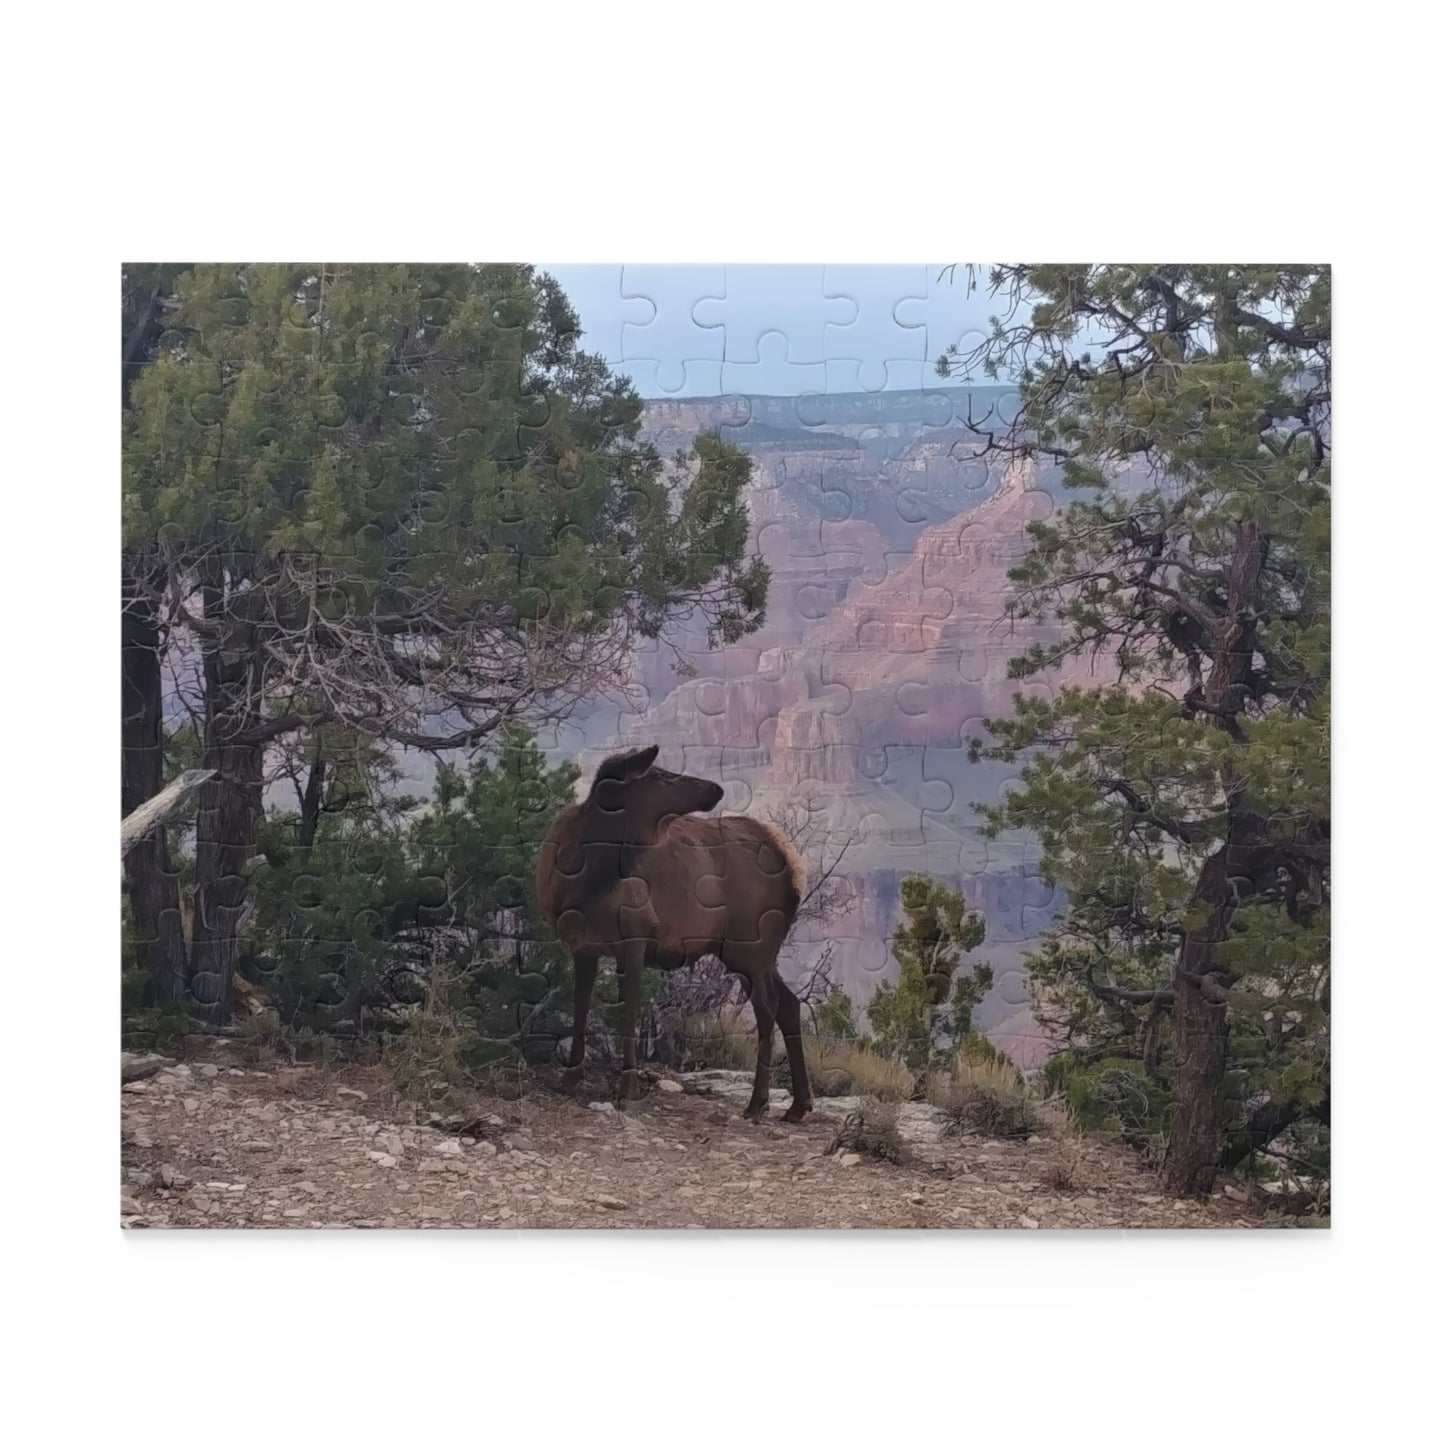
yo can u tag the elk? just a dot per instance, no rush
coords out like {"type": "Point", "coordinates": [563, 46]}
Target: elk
{"type": "Point", "coordinates": [630, 873]}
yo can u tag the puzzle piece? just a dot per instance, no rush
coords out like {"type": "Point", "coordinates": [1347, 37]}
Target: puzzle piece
{"type": "Point", "coordinates": [892, 531]}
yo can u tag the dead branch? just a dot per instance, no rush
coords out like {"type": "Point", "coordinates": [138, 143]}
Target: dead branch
{"type": "Point", "coordinates": [169, 801]}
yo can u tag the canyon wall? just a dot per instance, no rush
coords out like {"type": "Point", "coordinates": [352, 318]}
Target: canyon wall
{"type": "Point", "coordinates": [886, 645]}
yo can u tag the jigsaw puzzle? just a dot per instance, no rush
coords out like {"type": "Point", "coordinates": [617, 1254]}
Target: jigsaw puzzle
{"type": "Point", "coordinates": [766, 746]}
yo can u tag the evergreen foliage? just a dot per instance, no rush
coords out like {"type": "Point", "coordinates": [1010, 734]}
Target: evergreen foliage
{"type": "Point", "coordinates": [1185, 806]}
{"type": "Point", "coordinates": [388, 504]}
{"type": "Point", "coordinates": [925, 1015]}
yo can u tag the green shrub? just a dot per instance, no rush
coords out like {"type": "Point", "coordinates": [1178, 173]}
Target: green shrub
{"type": "Point", "coordinates": [835, 1017]}
{"type": "Point", "coordinates": [1112, 1096]}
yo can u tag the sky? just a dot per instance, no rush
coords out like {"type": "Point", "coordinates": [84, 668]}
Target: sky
{"type": "Point", "coordinates": [783, 330]}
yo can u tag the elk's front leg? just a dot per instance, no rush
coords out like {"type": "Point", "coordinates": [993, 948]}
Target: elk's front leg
{"type": "Point", "coordinates": [629, 971]}
{"type": "Point", "coordinates": [584, 975]}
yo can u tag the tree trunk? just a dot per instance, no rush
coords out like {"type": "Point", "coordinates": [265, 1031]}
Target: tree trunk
{"type": "Point", "coordinates": [1201, 1037]}
{"type": "Point", "coordinates": [313, 800]}
{"type": "Point", "coordinates": [226, 829]}
{"type": "Point", "coordinates": [154, 897]}
{"type": "Point", "coordinates": [1201, 997]}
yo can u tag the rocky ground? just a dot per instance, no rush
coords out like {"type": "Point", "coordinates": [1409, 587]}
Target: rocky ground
{"type": "Point", "coordinates": [222, 1141]}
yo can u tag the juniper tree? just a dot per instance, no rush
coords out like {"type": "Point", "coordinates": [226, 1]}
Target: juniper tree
{"type": "Point", "coordinates": [361, 893]}
{"type": "Point", "coordinates": [1184, 802]}
{"type": "Point", "coordinates": [401, 499]}
{"type": "Point", "coordinates": [921, 1017]}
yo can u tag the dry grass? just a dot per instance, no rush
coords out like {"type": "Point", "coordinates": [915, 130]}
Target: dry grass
{"type": "Point", "coordinates": [872, 1131]}
{"type": "Point", "coordinates": [835, 1066]}
{"type": "Point", "coordinates": [838, 1067]}
{"type": "Point", "coordinates": [433, 1063]}
{"type": "Point", "coordinates": [718, 1040]}
{"type": "Point", "coordinates": [1063, 1174]}
{"type": "Point", "coordinates": [985, 1095]}
{"type": "Point", "coordinates": [263, 1036]}
{"type": "Point", "coordinates": [1300, 1198]}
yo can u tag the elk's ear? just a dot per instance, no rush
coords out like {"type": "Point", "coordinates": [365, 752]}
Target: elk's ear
{"type": "Point", "coordinates": [621, 767]}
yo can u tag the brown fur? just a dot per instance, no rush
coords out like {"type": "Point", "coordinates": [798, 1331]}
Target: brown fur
{"type": "Point", "coordinates": [632, 873]}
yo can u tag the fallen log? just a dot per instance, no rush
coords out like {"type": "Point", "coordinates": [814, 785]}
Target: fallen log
{"type": "Point", "coordinates": [154, 811]}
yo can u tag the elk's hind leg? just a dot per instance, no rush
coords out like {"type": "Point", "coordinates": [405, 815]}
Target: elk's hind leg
{"type": "Point", "coordinates": [790, 1020]}
{"type": "Point", "coordinates": [757, 969]}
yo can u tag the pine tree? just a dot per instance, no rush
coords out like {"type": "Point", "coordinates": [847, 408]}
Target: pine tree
{"type": "Point", "coordinates": [400, 500]}
{"type": "Point", "coordinates": [1185, 807]}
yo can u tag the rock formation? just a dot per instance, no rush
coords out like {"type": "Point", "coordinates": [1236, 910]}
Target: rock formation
{"type": "Point", "coordinates": [886, 645]}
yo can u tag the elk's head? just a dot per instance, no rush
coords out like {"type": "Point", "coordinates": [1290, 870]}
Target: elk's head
{"type": "Point", "coordinates": [642, 796]}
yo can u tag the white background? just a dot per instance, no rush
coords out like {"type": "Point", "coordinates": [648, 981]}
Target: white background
{"type": "Point", "coordinates": [668, 132]}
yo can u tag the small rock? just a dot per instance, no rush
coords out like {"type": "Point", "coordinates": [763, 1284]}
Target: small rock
{"type": "Point", "coordinates": [504, 1213]}
{"type": "Point", "coordinates": [607, 1201]}
{"type": "Point", "coordinates": [669, 1086]}
{"type": "Point", "coordinates": [450, 1146]}
{"type": "Point", "coordinates": [169, 1177]}
{"type": "Point", "coordinates": [387, 1161]}
{"type": "Point", "coordinates": [602, 1107]}
{"type": "Point", "coordinates": [209, 1071]}
{"type": "Point", "coordinates": [1034, 1139]}
{"type": "Point", "coordinates": [346, 1093]}
{"type": "Point", "coordinates": [139, 1178]}
{"type": "Point", "coordinates": [393, 1145]}
{"type": "Point", "coordinates": [848, 1160]}
{"type": "Point", "coordinates": [1028, 1223]}
{"type": "Point", "coordinates": [191, 1105]}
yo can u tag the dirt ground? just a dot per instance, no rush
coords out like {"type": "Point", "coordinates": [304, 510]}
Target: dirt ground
{"type": "Point", "coordinates": [219, 1141]}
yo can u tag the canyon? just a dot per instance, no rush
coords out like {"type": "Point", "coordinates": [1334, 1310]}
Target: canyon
{"type": "Point", "coordinates": [889, 532]}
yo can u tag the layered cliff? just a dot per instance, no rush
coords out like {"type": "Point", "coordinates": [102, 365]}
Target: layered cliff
{"type": "Point", "coordinates": [886, 645]}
